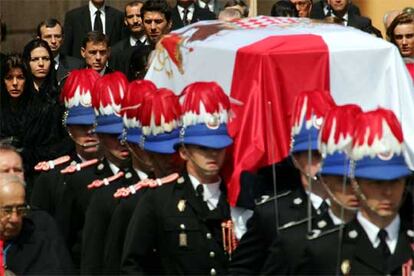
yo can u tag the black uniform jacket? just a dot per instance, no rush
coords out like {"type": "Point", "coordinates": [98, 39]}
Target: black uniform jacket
{"type": "Point", "coordinates": [97, 219]}
{"type": "Point", "coordinates": [67, 64]}
{"type": "Point", "coordinates": [252, 250]}
{"type": "Point", "coordinates": [198, 15]}
{"type": "Point", "coordinates": [49, 186]}
{"type": "Point", "coordinates": [76, 196]}
{"type": "Point", "coordinates": [39, 249]}
{"type": "Point", "coordinates": [116, 232]}
{"type": "Point", "coordinates": [187, 236]}
{"type": "Point", "coordinates": [287, 249]}
{"type": "Point", "coordinates": [358, 256]}
{"type": "Point", "coordinates": [78, 24]}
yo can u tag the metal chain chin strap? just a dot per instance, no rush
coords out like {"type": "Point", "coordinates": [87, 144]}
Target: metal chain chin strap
{"type": "Point", "coordinates": [331, 195]}
{"type": "Point", "coordinates": [314, 178]}
{"type": "Point", "coordinates": [64, 119]}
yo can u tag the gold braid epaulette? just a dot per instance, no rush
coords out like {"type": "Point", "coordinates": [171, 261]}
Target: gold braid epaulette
{"type": "Point", "coordinates": [147, 183]}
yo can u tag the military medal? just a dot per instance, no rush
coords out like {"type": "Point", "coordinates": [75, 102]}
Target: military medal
{"type": "Point", "coordinates": [346, 267]}
{"type": "Point", "coordinates": [182, 237]}
{"type": "Point", "coordinates": [181, 205]}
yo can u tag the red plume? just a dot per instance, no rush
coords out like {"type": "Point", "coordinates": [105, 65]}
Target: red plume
{"type": "Point", "coordinates": [337, 129]}
{"type": "Point", "coordinates": [78, 87]}
{"type": "Point", "coordinates": [160, 112]}
{"type": "Point", "coordinates": [307, 104]}
{"type": "Point", "coordinates": [108, 93]}
{"type": "Point", "coordinates": [377, 132]}
{"type": "Point", "coordinates": [202, 100]}
{"type": "Point", "coordinates": [136, 92]}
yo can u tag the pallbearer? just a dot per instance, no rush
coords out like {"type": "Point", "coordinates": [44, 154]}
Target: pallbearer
{"type": "Point", "coordinates": [377, 241]}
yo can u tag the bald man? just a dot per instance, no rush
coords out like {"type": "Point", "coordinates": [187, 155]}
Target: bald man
{"type": "Point", "coordinates": [32, 243]}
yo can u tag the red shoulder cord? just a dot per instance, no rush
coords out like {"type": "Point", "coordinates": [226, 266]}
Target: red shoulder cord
{"type": "Point", "coordinates": [407, 268]}
{"type": "Point", "coordinates": [51, 164]}
{"type": "Point", "coordinates": [106, 181]}
{"type": "Point", "coordinates": [230, 241]}
{"type": "Point", "coordinates": [146, 183]}
{"type": "Point", "coordinates": [79, 166]}
{"type": "Point", "coordinates": [1, 259]}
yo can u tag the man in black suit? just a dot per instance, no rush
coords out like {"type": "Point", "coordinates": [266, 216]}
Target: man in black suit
{"type": "Point", "coordinates": [96, 52]}
{"type": "Point", "coordinates": [51, 31]}
{"type": "Point", "coordinates": [378, 241]}
{"type": "Point", "coordinates": [133, 22]}
{"type": "Point", "coordinates": [95, 16]}
{"type": "Point", "coordinates": [342, 10]}
{"type": "Point", "coordinates": [321, 9]}
{"type": "Point", "coordinates": [187, 12]}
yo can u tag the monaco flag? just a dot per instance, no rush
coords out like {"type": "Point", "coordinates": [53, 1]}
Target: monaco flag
{"type": "Point", "coordinates": [264, 62]}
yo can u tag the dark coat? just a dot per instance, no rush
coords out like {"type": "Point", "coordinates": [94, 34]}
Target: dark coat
{"type": "Point", "coordinates": [97, 219]}
{"type": "Point", "coordinates": [198, 15]}
{"type": "Point", "coordinates": [72, 209]}
{"type": "Point", "coordinates": [252, 250]}
{"type": "Point", "coordinates": [39, 249]}
{"type": "Point", "coordinates": [287, 249]}
{"type": "Point", "coordinates": [78, 24]}
{"type": "Point", "coordinates": [49, 186]}
{"type": "Point", "coordinates": [67, 64]}
{"type": "Point", "coordinates": [320, 255]}
{"type": "Point", "coordinates": [116, 232]}
{"type": "Point", "coordinates": [317, 11]}
{"type": "Point", "coordinates": [157, 223]}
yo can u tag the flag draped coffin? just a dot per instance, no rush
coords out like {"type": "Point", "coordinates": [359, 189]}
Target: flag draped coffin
{"type": "Point", "coordinates": [264, 62]}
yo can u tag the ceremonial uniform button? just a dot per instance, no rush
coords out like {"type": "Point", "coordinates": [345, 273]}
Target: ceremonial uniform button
{"type": "Point", "coordinates": [213, 272]}
{"type": "Point", "coordinates": [128, 175]}
{"type": "Point", "coordinates": [208, 236]}
{"type": "Point", "coordinates": [182, 226]}
{"type": "Point", "coordinates": [212, 254]}
{"type": "Point", "coordinates": [297, 201]}
{"type": "Point", "coordinates": [101, 167]}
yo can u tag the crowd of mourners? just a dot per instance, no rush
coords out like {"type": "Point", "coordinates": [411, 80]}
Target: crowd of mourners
{"type": "Point", "coordinates": [103, 172]}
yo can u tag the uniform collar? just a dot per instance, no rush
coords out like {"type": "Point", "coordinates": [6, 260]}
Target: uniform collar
{"type": "Point", "coordinates": [336, 220]}
{"type": "Point", "coordinates": [372, 231]}
{"type": "Point", "coordinates": [113, 167]}
{"type": "Point", "coordinates": [211, 193]}
{"type": "Point", "coordinates": [315, 199]}
{"type": "Point", "coordinates": [141, 174]}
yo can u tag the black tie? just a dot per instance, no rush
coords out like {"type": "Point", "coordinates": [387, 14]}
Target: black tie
{"type": "Point", "coordinates": [185, 17]}
{"type": "Point", "coordinates": [97, 26]}
{"type": "Point", "coordinates": [324, 207]}
{"type": "Point", "coordinates": [383, 247]}
{"type": "Point", "coordinates": [200, 192]}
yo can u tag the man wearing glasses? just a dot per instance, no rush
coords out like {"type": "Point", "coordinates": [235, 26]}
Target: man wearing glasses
{"type": "Point", "coordinates": [31, 241]}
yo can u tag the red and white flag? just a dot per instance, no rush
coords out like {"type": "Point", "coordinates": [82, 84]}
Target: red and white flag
{"type": "Point", "coordinates": [264, 62]}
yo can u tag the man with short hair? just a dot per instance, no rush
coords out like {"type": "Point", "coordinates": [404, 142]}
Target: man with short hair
{"type": "Point", "coordinates": [96, 16]}
{"type": "Point", "coordinates": [31, 242]}
{"type": "Point", "coordinates": [121, 51]}
{"type": "Point", "coordinates": [156, 20]}
{"type": "Point", "coordinates": [187, 12]}
{"type": "Point", "coordinates": [51, 31]}
{"type": "Point", "coordinates": [401, 33]}
{"type": "Point", "coordinates": [10, 161]}
{"type": "Point", "coordinates": [96, 52]}
{"type": "Point", "coordinates": [321, 9]}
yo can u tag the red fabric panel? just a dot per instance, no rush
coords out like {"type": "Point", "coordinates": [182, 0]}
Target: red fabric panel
{"type": "Point", "coordinates": [267, 76]}
{"type": "Point", "coordinates": [410, 67]}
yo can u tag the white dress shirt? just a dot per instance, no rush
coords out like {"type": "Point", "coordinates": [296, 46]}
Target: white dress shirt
{"type": "Point", "coordinates": [372, 231]}
{"type": "Point", "coordinates": [92, 11]}
{"type": "Point", "coordinates": [203, 5]}
{"type": "Point", "coordinates": [190, 12]}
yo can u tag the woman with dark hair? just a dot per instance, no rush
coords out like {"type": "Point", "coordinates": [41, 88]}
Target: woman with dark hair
{"type": "Point", "coordinates": [38, 58]}
{"type": "Point", "coordinates": [284, 9]}
{"type": "Point", "coordinates": [29, 123]}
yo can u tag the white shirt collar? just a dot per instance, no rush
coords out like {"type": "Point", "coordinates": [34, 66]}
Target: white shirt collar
{"type": "Point", "coordinates": [113, 167]}
{"type": "Point", "coordinates": [315, 199]}
{"type": "Point", "coordinates": [133, 40]}
{"type": "Point", "coordinates": [190, 12]}
{"type": "Point", "coordinates": [211, 193]}
{"type": "Point", "coordinates": [92, 11]}
{"type": "Point", "coordinates": [57, 61]}
{"type": "Point", "coordinates": [81, 158]}
{"type": "Point", "coordinates": [336, 220]}
{"type": "Point", "coordinates": [372, 231]}
{"type": "Point", "coordinates": [141, 174]}
{"type": "Point", "coordinates": [203, 5]}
